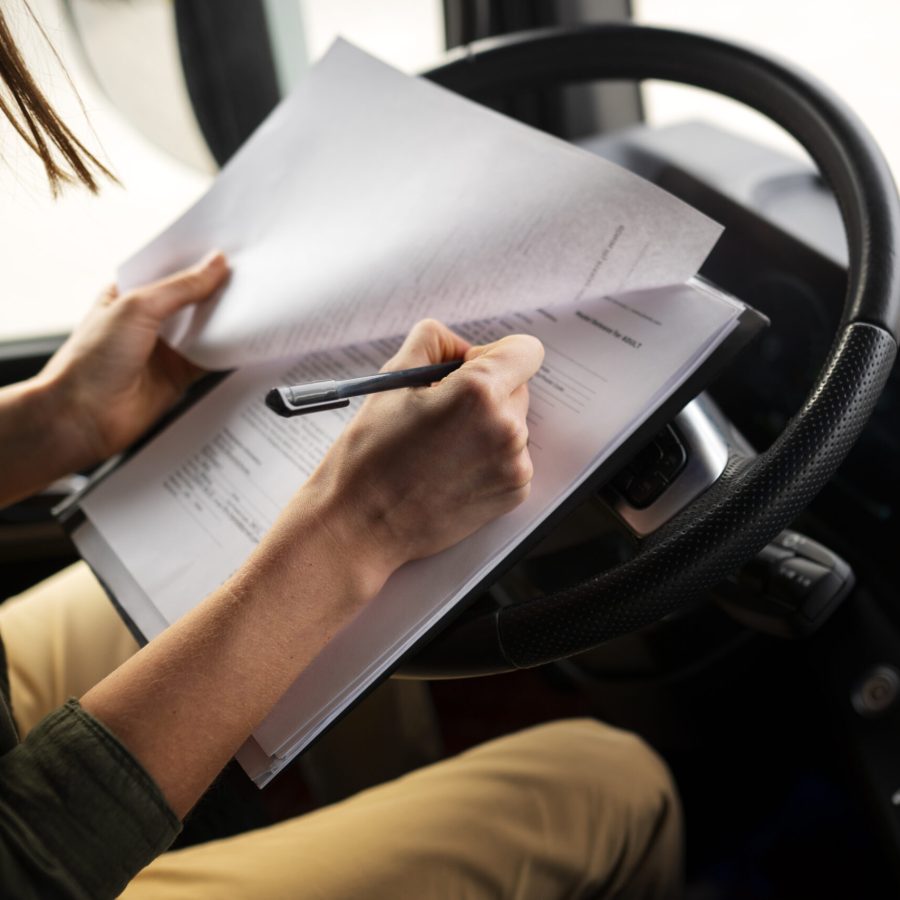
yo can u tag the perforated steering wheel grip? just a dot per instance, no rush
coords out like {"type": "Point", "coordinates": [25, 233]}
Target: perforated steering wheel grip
{"type": "Point", "coordinates": [755, 498]}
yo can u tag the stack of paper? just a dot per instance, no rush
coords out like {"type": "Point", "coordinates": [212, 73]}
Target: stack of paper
{"type": "Point", "coordinates": [367, 201]}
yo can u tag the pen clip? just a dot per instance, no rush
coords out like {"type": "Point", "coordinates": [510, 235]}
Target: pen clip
{"type": "Point", "coordinates": [276, 403]}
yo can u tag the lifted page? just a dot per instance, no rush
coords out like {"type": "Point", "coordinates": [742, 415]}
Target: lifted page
{"type": "Point", "coordinates": [369, 200]}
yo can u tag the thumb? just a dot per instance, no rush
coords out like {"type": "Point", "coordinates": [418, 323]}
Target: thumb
{"type": "Point", "coordinates": [161, 299]}
{"type": "Point", "coordinates": [429, 342]}
{"type": "Point", "coordinates": [511, 360]}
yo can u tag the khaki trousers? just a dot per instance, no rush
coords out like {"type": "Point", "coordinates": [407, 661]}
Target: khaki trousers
{"type": "Point", "coordinates": [571, 809]}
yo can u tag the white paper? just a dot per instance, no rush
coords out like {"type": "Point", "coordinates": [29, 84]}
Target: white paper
{"type": "Point", "coordinates": [369, 200]}
{"type": "Point", "coordinates": [211, 484]}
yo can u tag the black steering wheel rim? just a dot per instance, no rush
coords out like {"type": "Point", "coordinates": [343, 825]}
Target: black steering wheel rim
{"type": "Point", "coordinates": [755, 498]}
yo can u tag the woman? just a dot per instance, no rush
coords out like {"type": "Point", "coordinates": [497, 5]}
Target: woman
{"type": "Point", "coordinates": [98, 786]}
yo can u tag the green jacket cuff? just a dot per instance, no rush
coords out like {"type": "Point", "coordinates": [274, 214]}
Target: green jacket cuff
{"type": "Point", "coordinates": [77, 802]}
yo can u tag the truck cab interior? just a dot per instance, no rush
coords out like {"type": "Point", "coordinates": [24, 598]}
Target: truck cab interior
{"type": "Point", "coordinates": [731, 595]}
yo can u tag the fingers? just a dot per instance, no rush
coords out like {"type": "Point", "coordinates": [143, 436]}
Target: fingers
{"type": "Point", "coordinates": [107, 295]}
{"type": "Point", "coordinates": [163, 298]}
{"type": "Point", "coordinates": [508, 363]}
{"type": "Point", "coordinates": [429, 342]}
{"type": "Point", "coordinates": [518, 401]}
{"type": "Point", "coordinates": [428, 467]}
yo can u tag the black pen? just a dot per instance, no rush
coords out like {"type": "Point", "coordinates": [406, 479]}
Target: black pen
{"type": "Point", "coordinates": [299, 399]}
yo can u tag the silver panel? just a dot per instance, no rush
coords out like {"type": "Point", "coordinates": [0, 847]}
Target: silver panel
{"type": "Point", "coordinates": [707, 453]}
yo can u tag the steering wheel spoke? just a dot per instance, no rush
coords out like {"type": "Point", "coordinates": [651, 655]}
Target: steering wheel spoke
{"type": "Point", "coordinates": [677, 466]}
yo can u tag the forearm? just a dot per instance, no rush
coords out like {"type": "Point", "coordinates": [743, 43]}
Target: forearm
{"type": "Point", "coordinates": [414, 473]}
{"type": "Point", "coordinates": [35, 448]}
{"type": "Point", "coordinates": [187, 701]}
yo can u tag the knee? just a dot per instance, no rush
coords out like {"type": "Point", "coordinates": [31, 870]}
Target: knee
{"type": "Point", "coordinates": [605, 796]}
{"type": "Point", "coordinates": [613, 766]}
{"type": "Point", "coordinates": [616, 785]}
{"type": "Point", "coordinates": [631, 801]}
{"type": "Point", "coordinates": [600, 798]}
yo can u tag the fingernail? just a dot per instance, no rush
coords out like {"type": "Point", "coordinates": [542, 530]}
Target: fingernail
{"type": "Point", "coordinates": [213, 258]}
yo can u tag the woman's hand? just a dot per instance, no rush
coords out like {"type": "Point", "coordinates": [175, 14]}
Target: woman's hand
{"type": "Point", "coordinates": [114, 377]}
{"type": "Point", "coordinates": [414, 472]}
{"type": "Point", "coordinates": [103, 388]}
{"type": "Point", "coordinates": [418, 470]}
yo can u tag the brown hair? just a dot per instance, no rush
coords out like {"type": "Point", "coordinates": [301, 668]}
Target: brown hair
{"type": "Point", "coordinates": [65, 158]}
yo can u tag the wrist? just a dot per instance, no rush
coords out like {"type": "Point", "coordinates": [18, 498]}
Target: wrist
{"type": "Point", "coordinates": [319, 535]}
{"type": "Point", "coordinates": [342, 521]}
{"type": "Point", "coordinates": [31, 454]}
{"type": "Point", "coordinates": [63, 422]}
{"type": "Point", "coordinates": [357, 516]}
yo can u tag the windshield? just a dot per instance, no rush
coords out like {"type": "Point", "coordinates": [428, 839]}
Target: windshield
{"type": "Point", "coordinates": [138, 112]}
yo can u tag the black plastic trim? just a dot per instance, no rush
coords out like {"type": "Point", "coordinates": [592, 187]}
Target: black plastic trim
{"type": "Point", "coordinates": [228, 67]}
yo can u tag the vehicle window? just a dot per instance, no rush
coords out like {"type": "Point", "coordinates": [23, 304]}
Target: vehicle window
{"type": "Point", "coordinates": [137, 114]}
{"type": "Point", "coordinates": [59, 254]}
{"type": "Point", "coordinates": [849, 47]}
{"type": "Point", "coordinates": [408, 34]}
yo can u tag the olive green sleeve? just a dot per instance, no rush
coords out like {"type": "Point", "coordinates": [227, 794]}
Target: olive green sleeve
{"type": "Point", "coordinates": [79, 817]}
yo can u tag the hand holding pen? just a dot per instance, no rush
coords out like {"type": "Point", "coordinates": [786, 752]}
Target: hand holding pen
{"type": "Point", "coordinates": [410, 460]}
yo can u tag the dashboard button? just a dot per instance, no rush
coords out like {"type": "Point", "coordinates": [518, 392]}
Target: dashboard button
{"type": "Point", "coordinates": [795, 578]}
{"type": "Point", "coordinates": [644, 489]}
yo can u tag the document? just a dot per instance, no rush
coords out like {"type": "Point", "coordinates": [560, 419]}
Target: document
{"type": "Point", "coordinates": [211, 484]}
{"type": "Point", "coordinates": [367, 201]}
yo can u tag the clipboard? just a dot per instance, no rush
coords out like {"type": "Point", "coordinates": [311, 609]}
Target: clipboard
{"type": "Point", "coordinates": [127, 596]}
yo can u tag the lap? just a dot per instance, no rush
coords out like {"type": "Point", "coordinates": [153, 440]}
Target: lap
{"type": "Point", "coordinates": [61, 637]}
{"type": "Point", "coordinates": [571, 809]}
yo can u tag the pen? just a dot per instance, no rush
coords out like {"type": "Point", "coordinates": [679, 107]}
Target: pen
{"type": "Point", "coordinates": [299, 399]}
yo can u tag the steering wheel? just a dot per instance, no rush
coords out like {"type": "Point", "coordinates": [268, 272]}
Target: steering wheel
{"type": "Point", "coordinates": [755, 497]}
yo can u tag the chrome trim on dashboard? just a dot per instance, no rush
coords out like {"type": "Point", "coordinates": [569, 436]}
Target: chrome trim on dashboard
{"type": "Point", "coordinates": [707, 454]}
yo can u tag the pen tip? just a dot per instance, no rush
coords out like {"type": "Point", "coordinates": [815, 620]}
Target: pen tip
{"type": "Point", "coordinates": [276, 403]}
